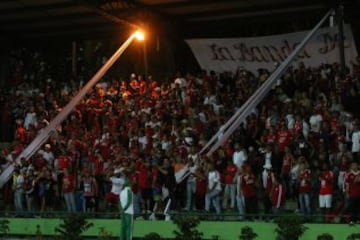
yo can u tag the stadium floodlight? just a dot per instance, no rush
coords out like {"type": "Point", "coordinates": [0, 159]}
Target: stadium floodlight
{"type": "Point", "coordinates": [139, 35]}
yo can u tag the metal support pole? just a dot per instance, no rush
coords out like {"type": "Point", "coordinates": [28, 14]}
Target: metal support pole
{"type": "Point", "coordinates": [145, 59]}
{"type": "Point", "coordinates": [340, 20]}
{"type": "Point", "coordinates": [74, 59]}
{"type": "Point", "coordinates": [261, 93]}
{"type": "Point", "coordinates": [46, 132]}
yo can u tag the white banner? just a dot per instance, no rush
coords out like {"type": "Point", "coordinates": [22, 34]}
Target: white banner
{"type": "Point", "coordinates": [253, 53]}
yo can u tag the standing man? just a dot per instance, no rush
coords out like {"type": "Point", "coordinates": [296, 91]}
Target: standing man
{"type": "Point", "coordinates": [117, 181]}
{"type": "Point", "coordinates": [18, 186]}
{"type": "Point", "coordinates": [230, 185]}
{"type": "Point", "coordinates": [326, 179]}
{"type": "Point", "coordinates": [213, 189]}
{"type": "Point", "coordinates": [352, 190]}
{"type": "Point", "coordinates": [69, 190]}
{"type": "Point", "coordinates": [127, 209]}
{"type": "Point", "coordinates": [239, 155]}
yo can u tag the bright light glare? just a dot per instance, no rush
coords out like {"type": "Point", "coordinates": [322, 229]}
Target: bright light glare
{"type": "Point", "coordinates": [139, 35]}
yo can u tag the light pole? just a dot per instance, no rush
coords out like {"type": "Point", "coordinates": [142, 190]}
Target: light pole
{"type": "Point", "coordinates": [46, 132]}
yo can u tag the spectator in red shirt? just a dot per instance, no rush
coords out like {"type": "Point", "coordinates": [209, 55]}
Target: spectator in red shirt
{"type": "Point", "coordinates": [305, 188]}
{"type": "Point", "coordinates": [133, 177]}
{"type": "Point", "coordinates": [284, 137]}
{"type": "Point", "coordinates": [90, 189]}
{"type": "Point", "coordinates": [61, 162]}
{"type": "Point", "coordinates": [230, 185]}
{"type": "Point", "coordinates": [145, 181]}
{"type": "Point", "coordinates": [68, 190]}
{"type": "Point", "coordinates": [277, 195]}
{"type": "Point", "coordinates": [326, 179]}
{"type": "Point", "coordinates": [248, 188]}
{"type": "Point", "coordinates": [352, 189]}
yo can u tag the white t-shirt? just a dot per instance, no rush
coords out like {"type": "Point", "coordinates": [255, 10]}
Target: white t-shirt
{"type": "Point", "coordinates": [143, 140]}
{"type": "Point", "coordinates": [268, 156]}
{"type": "Point", "coordinates": [181, 81]}
{"type": "Point", "coordinates": [30, 119]}
{"type": "Point", "coordinates": [49, 157]}
{"type": "Point", "coordinates": [209, 100]}
{"type": "Point", "coordinates": [305, 130]}
{"type": "Point", "coordinates": [355, 139]}
{"type": "Point", "coordinates": [214, 178]}
{"type": "Point", "coordinates": [290, 121]}
{"type": "Point", "coordinates": [165, 145]}
{"type": "Point", "coordinates": [315, 121]}
{"type": "Point", "coordinates": [239, 157]}
{"type": "Point", "coordinates": [19, 183]}
{"type": "Point", "coordinates": [117, 184]}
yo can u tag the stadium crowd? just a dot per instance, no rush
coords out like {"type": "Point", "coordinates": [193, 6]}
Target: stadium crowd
{"type": "Point", "coordinates": [300, 144]}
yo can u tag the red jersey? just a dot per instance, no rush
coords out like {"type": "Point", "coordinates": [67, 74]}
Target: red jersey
{"type": "Point", "coordinates": [326, 182]}
{"type": "Point", "coordinates": [63, 162]}
{"type": "Point", "coordinates": [201, 186]}
{"type": "Point", "coordinates": [304, 179]}
{"type": "Point", "coordinates": [353, 182]}
{"type": "Point", "coordinates": [134, 184]}
{"type": "Point", "coordinates": [278, 195]}
{"type": "Point", "coordinates": [155, 177]}
{"type": "Point", "coordinates": [68, 183]}
{"type": "Point", "coordinates": [343, 164]}
{"type": "Point", "coordinates": [20, 134]}
{"type": "Point", "coordinates": [334, 124]}
{"type": "Point", "coordinates": [144, 178]}
{"type": "Point", "coordinates": [284, 138]}
{"type": "Point", "coordinates": [286, 164]}
{"type": "Point", "coordinates": [230, 174]}
{"type": "Point", "coordinates": [248, 185]}
{"type": "Point", "coordinates": [99, 166]}
{"type": "Point", "coordinates": [270, 138]}
{"type": "Point", "coordinates": [298, 126]}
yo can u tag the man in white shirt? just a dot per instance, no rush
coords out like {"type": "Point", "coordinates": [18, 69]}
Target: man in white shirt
{"type": "Point", "coordinates": [182, 83]}
{"type": "Point", "coordinates": [30, 118]}
{"type": "Point", "coordinates": [355, 139]}
{"type": "Point", "coordinates": [48, 155]}
{"type": "Point", "coordinates": [19, 191]}
{"type": "Point", "coordinates": [213, 190]}
{"type": "Point", "coordinates": [126, 206]}
{"type": "Point", "coordinates": [239, 155]}
{"type": "Point", "coordinates": [315, 122]}
{"type": "Point", "coordinates": [117, 183]}
{"type": "Point", "coordinates": [190, 185]}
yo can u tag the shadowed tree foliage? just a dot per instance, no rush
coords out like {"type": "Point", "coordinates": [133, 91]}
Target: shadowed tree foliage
{"type": "Point", "coordinates": [325, 236]}
{"type": "Point", "coordinates": [247, 233]}
{"type": "Point", "coordinates": [4, 228]}
{"type": "Point", "coordinates": [72, 227]}
{"type": "Point", "coordinates": [187, 228]}
{"type": "Point", "coordinates": [290, 227]}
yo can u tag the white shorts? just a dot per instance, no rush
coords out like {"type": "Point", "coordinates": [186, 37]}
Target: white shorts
{"type": "Point", "coordinates": [325, 201]}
